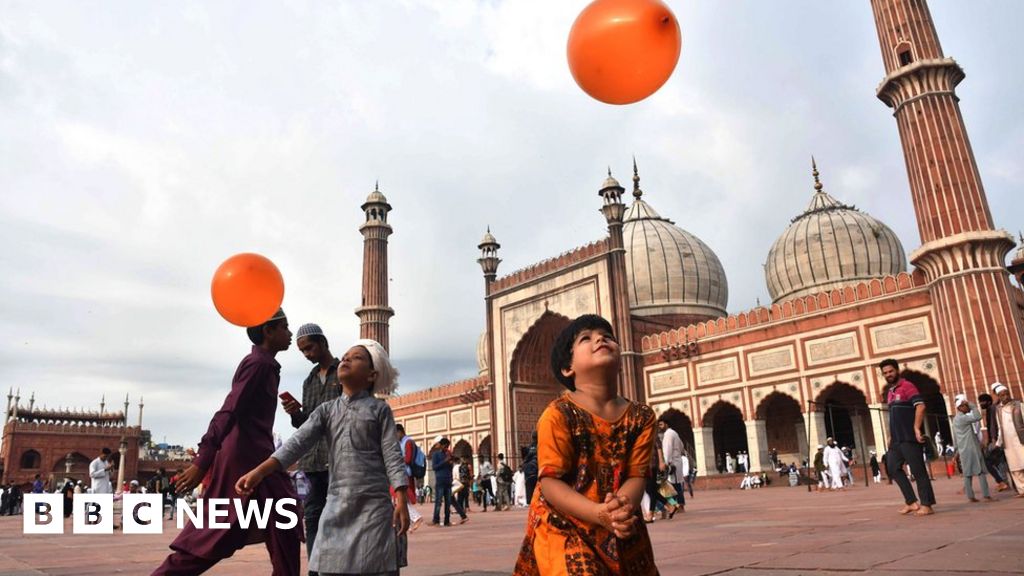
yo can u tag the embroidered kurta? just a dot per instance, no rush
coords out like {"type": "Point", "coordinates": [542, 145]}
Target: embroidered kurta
{"type": "Point", "coordinates": [239, 438]}
{"type": "Point", "coordinates": [355, 533]}
{"type": "Point", "coordinates": [594, 457]}
{"type": "Point", "coordinates": [966, 439]}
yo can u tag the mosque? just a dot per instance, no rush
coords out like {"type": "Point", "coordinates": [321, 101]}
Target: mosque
{"type": "Point", "coordinates": [777, 378]}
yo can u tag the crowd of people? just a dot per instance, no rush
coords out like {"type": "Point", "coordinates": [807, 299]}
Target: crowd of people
{"type": "Point", "coordinates": [100, 470]}
{"type": "Point", "coordinates": [600, 467]}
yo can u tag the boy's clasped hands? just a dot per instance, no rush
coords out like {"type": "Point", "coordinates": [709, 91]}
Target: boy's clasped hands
{"type": "Point", "coordinates": [618, 515]}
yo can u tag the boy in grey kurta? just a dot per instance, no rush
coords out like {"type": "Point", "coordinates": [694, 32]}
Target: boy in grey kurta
{"type": "Point", "coordinates": [968, 447]}
{"type": "Point", "coordinates": [361, 531]}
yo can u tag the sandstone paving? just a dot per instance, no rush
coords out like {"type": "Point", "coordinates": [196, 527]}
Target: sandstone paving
{"type": "Point", "coordinates": [771, 531]}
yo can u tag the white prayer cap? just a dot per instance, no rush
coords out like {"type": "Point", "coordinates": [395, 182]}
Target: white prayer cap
{"type": "Point", "coordinates": [821, 447]}
{"type": "Point", "coordinates": [309, 330]}
{"type": "Point", "coordinates": [998, 387]}
{"type": "Point", "coordinates": [387, 375]}
{"type": "Point", "coordinates": [437, 439]}
{"type": "Point", "coordinates": [960, 399]}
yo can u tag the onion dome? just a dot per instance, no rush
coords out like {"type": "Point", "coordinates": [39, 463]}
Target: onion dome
{"type": "Point", "coordinates": [376, 198]}
{"type": "Point", "coordinates": [828, 246]}
{"type": "Point", "coordinates": [670, 271]}
{"type": "Point", "coordinates": [481, 354]}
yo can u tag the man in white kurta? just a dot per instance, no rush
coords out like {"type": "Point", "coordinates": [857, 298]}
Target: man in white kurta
{"type": "Point", "coordinates": [730, 463]}
{"type": "Point", "coordinates": [99, 473]}
{"type": "Point", "coordinates": [675, 460]}
{"type": "Point", "coordinates": [835, 462]}
{"type": "Point", "coordinates": [1011, 434]}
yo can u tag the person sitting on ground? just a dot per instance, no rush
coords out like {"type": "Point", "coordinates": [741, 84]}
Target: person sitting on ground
{"type": "Point", "coordinates": [593, 453]}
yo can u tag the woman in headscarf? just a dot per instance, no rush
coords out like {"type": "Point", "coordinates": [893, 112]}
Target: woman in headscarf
{"type": "Point", "coordinates": [361, 531]}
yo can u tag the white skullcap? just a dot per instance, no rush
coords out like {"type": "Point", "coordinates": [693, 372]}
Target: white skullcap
{"type": "Point", "coordinates": [821, 447]}
{"type": "Point", "coordinates": [959, 399]}
{"type": "Point", "coordinates": [998, 387]}
{"type": "Point", "coordinates": [387, 375]}
{"type": "Point", "coordinates": [309, 330]}
{"type": "Point", "coordinates": [437, 440]}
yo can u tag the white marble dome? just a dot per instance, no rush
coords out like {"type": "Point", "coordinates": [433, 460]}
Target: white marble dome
{"type": "Point", "coordinates": [828, 246]}
{"type": "Point", "coordinates": [481, 354]}
{"type": "Point", "coordinates": [670, 271]}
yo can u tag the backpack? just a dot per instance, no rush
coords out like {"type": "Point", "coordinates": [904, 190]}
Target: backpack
{"type": "Point", "coordinates": [505, 474]}
{"type": "Point", "coordinates": [418, 466]}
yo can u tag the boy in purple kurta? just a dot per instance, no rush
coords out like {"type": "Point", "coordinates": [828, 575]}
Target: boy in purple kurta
{"type": "Point", "coordinates": [240, 436]}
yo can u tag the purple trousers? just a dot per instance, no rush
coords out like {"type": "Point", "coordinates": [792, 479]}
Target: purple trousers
{"type": "Point", "coordinates": [283, 546]}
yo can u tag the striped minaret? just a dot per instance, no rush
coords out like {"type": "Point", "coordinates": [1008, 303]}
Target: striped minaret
{"type": "Point", "coordinates": [374, 313]}
{"type": "Point", "coordinates": [961, 254]}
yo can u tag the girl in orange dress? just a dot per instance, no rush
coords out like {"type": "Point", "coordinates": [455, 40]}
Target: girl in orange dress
{"type": "Point", "coordinates": [593, 456]}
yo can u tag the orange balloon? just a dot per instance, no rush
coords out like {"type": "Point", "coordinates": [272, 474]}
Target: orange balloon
{"type": "Point", "coordinates": [622, 51]}
{"type": "Point", "coordinates": [247, 289]}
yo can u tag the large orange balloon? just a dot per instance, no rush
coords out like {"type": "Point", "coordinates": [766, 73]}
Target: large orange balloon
{"type": "Point", "coordinates": [622, 51]}
{"type": "Point", "coordinates": [247, 289]}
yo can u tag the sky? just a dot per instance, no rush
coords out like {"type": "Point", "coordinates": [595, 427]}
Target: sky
{"type": "Point", "coordinates": [141, 144]}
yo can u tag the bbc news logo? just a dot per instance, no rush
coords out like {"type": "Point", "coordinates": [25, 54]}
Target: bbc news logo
{"type": "Point", "coordinates": [143, 513]}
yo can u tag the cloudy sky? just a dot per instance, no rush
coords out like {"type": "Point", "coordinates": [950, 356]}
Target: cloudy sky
{"type": "Point", "coordinates": [141, 144]}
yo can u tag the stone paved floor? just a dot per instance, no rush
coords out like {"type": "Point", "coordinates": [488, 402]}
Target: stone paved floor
{"type": "Point", "coordinates": [757, 533]}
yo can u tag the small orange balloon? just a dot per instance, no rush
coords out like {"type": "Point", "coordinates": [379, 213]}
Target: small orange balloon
{"type": "Point", "coordinates": [247, 289]}
{"type": "Point", "coordinates": [622, 51]}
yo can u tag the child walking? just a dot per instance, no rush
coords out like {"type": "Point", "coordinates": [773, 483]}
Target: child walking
{"type": "Point", "coordinates": [361, 531]}
{"type": "Point", "coordinates": [593, 456]}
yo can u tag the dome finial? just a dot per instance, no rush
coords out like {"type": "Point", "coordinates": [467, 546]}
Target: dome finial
{"type": "Point", "coordinates": [637, 193]}
{"type": "Point", "coordinates": [814, 172]}
{"type": "Point", "coordinates": [376, 185]}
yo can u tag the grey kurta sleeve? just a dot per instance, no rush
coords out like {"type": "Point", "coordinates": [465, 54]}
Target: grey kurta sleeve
{"type": "Point", "coordinates": [975, 415]}
{"type": "Point", "coordinates": [305, 437]}
{"type": "Point", "coordinates": [392, 452]}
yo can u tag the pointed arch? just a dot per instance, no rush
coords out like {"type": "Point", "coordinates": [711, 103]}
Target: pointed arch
{"type": "Point", "coordinates": [784, 423]}
{"type": "Point", "coordinates": [728, 430]}
{"type": "Point", "coordinates": [532, 384]}
{"type": "Point", "coordinates": [463, 449]}
{"type": "Point", "coordinates": [30, 460]}
{"type": "Point", "coordinates": [683, 426]}
{"type": "Point", "coordinates": [483, 449]}
{"type": "Point", "coordinates": [847, 418]}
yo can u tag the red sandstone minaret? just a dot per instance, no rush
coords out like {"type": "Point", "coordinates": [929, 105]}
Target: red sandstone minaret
{"type": "Point", "coordinates": [614, 210]}
{"type": "Point", "coordinates": [375, 313]}
{"type": "Point", "coordinates": [962, 255]}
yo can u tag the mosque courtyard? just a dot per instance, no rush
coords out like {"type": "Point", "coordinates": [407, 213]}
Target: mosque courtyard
{"type": "Point", "coordinates": [775, 530]}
